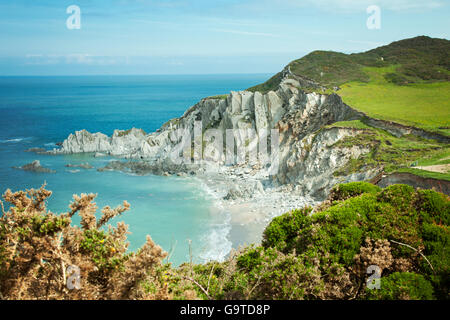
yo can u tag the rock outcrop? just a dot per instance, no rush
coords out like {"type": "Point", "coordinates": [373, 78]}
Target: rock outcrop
{"type": "Point", "coordinates": [307, 157]}
{"type": "Point", "coordinates": [81, 165]}
{"type": "Point", "coordinates": [36, 150]}
{"type": "Point", "coordinates": [35, 166]}
{"type": "Point", "coordinates": [121, 143]}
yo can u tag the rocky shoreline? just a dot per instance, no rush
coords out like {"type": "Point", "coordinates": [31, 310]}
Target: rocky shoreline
{"type": "Point", "coordinates": [306, 152]}
{"type": "Point", "coordinates": [304, 149]}
{"type": "Point", "coordinates": [305, 157]}
{"type": "Point", "coordinates": [245, 194]}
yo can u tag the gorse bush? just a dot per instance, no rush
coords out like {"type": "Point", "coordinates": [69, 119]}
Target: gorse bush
{"type": "Point", "coordinates": [39, 248]}
{"type": "Point", "coordinates": [326, 254]}
{"type": "Point", "coordinates": [320, 253]}
{"type": "Point", "coordinates": [402, 285]}
{"type": "Point", "coordinates": [352, 189]}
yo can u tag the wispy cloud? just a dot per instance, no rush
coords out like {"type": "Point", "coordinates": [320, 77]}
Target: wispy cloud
{"type": "Point", "coordinates": [73, 58]}
{"type": "Point", "coordinates": [357, 5]}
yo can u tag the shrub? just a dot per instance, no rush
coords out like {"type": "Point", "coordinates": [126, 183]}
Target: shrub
{"type": "Point", "coordinates": [271, 274]}
{"type": "Point", "coordinates": [433, 206]}
{"type": "Point", "coordinates": [37, 247]}
{"type": "Point", "coordinates": [399, 221]}
{"type": "Point", "coordinates": [437, 248]}
{"type": "Point", "coordinates": [283, 231]}
{"type": "Point", "coordinates": [402, 286]}
{"type": "Point", "coordinates": [398, 195]}
{"type": "Point", "coordinates": [352, 189]}
{"type": "Point", "coordinates": [304, 255]}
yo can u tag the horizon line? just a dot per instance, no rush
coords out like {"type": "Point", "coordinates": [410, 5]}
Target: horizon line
{"type": "Point", "coordinates": [147, 74]}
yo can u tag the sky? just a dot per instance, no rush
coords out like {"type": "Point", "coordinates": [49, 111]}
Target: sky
{"type": "Point", "coordinates": [126, 37]}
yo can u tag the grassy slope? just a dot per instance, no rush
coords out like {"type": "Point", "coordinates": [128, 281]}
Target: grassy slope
{"type": "Point", "coordinates": [423, 105]}
{"type": "Point", "coordinates": [392, 153]}
{"type": "Point", "coordinates": [420, 59]}
{"type": "Point", "coordinates": [407, 82]}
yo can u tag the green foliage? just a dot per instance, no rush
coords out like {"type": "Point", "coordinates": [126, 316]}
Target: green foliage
{"type": "Point", "coordinates": [336, 235]}
{"type": "Point", "coordinates": [271, 84]}
{"type": "Point", "coordinates": [421, 58]}
{"type": "Point", "coordinates": [352, 189]}
{"type": "Point", "coordinates": [402, 285]}
{"type": "Point", "coordinates": [48, 224]}
{"type": "Point", "coordinates": [329, 68]}
{"type": "Point", "coordinates": [398, 195]}
{"type": "Point", "coordinates": [433, 206]}
{"type": "Point", "coordinates": [220, 97]}
{"type": "Point", "coordinates": [266, 273]}
{"type": "Point", "coordinates": [282, 231]}
{"type": "Point", "coordinates": [396, 78]}
{"type": "Point", "coordinates": [437, 248]}
{"type": "Point", "coordinates": [102, 250]}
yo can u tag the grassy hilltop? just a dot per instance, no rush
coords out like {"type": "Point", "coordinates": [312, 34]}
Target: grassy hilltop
{"type": "Point", "coordinates": [407, 82]}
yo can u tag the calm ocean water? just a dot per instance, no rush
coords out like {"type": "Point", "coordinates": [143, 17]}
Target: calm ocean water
{"type": "Point", "coordinates": [41, 111]}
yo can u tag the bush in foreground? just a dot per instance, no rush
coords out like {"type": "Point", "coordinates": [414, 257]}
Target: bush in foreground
{"type": "Point", "coordinates": [325, 253]}
{"type": "Point", "coordinates": [403, 232]}
{"type": "Point", "coordinates": [42, 254]}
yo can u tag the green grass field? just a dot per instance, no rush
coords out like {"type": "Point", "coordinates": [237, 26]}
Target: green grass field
{"type": "Point", "coordinates": [424, 105]}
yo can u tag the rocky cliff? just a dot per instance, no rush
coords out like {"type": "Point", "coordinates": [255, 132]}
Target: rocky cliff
{"type": "Point", "coordinates": [307, 156]}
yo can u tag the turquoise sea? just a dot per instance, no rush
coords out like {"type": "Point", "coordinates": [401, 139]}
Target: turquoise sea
{"type": "Point", "coordinates": [41, 111]}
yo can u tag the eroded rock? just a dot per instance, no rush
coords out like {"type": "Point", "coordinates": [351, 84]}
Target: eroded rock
{"type": "Point", "coordinates": [35, 166]}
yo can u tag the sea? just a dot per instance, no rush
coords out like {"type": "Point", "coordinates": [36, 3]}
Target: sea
{"type": "Point", "coordinates": [178, 213]}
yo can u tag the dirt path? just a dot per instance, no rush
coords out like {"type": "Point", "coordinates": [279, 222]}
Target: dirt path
{"type": "Point", "coordinates": [441, 168]}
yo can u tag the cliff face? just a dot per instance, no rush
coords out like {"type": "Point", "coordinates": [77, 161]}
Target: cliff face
{"type": "Point", "coordinates": [310, 163]}
{"type": "Point", "coordinates": [307, 157]}
{"type": "Point", "coordinates": [415, 181]}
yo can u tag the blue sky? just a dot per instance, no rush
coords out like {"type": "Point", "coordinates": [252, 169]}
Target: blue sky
{"type": "Point", "coordinates": [199, 36]}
